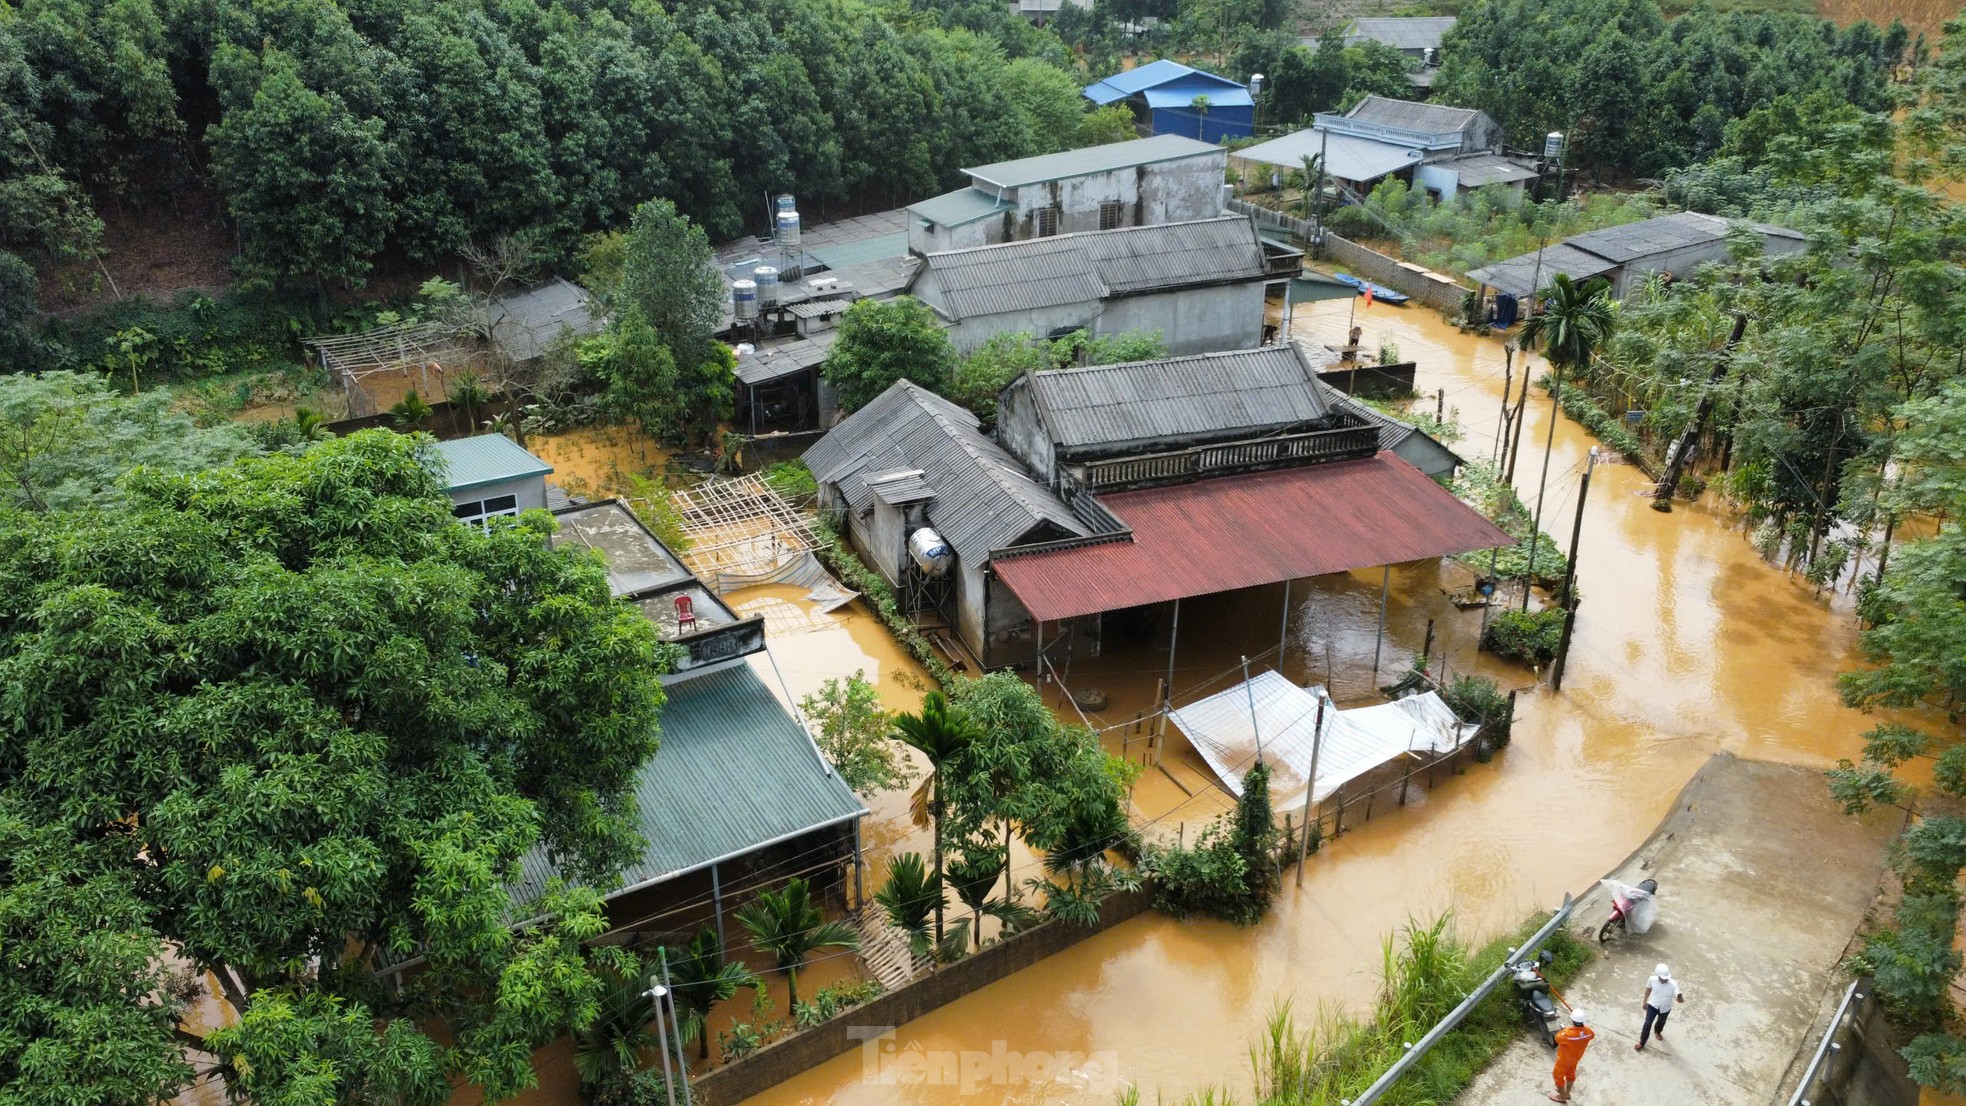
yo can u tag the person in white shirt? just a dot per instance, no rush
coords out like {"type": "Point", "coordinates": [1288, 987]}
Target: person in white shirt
{"type": "Point", "coordinates": [1661, 993]}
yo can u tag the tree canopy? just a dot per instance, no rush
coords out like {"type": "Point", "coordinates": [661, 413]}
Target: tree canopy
{"type": "Point", "coordinates": [883, 341]}
{"type": "Point", "coordinates": [283, 721]}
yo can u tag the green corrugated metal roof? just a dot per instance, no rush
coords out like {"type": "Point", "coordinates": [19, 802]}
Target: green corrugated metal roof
{"type": "Point", "coordinates": [735, 772]}
{"type": "Point", "coordinates": [964, 205]}
{"type": "Point", "coordinates": [486, 459]}
{"type": "Point", "coordinates": [860, 251]}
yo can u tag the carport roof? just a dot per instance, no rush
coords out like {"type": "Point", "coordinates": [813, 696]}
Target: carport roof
{"type": "Point", "coordinates": [1243, 531]}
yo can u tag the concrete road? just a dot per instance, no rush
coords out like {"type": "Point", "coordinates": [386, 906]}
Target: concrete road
{"type": "Point", "coordinates": [1762, 881]}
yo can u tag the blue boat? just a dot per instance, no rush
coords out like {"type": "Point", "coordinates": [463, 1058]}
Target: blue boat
{"type": "Point", "coordinates": [1380, 292]}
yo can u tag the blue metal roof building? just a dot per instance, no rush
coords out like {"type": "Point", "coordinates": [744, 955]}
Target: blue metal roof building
{"type": "Point", "coordinates": [1163, 93]}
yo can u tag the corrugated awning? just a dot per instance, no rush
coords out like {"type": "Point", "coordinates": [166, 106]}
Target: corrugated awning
{"type": "Point", "coordinates": [1242, 531]}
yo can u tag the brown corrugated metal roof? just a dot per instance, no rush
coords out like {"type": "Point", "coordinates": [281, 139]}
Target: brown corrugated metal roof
{"type": "Point", "coordinates": [1242, 531]}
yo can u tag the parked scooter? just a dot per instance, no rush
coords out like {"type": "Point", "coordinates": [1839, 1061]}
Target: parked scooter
{"type": "Point", "coordinates": [1532, 993]}
{"type": "Point", "coordinates": [1633, 909]}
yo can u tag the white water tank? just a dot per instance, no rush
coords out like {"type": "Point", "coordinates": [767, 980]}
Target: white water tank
{"type": "Point", "coordinates": [786, 225]}
{"type": "Point", "coordinates": [744, 299]}
{"type": "Point", "coordinates": [930, 553]}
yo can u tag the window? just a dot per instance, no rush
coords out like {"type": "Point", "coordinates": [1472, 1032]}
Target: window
{"type": "Point", "coordinates": [477, 511]}
{"type": "Point", "coordinates": [1048, 221]}
{"type": "Point", "coordinates": [1112, 215]}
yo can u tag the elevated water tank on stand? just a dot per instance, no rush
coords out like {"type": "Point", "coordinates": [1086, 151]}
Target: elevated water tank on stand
{"type": "Point", "coordinates": [767, 279]}
{"type": "Point", "coordinates": [786, 229]}
{"type": "Point", "coordinates": [930, 553]}
{"type": "Point", "coordinates": [744, 299]}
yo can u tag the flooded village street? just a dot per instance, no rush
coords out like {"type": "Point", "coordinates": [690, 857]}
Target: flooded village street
{"type": "Point", "coordinates": [1687, 644]}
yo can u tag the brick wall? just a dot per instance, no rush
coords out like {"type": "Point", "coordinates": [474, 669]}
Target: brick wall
{"type": "Point", "coordinates": [781, 1060]}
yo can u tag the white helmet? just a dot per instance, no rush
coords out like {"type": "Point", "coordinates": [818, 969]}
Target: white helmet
{"type": "Point", "coordinates": [1577, 1015]}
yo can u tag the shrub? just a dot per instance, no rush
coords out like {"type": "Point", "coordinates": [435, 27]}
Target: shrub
{"type": "Point", "coordinates": [1527, 636]}
{"type": "Point", "coordinates": [833, 1001]}
{"type": "Point", "coordinates": [1478, 699]}
{"type": "Point", "coordinates": [1578, 404]}
{"type": "Point", "coordinates": [1229, 875]}
{"type": "Point", "coordinates": [792, 480]}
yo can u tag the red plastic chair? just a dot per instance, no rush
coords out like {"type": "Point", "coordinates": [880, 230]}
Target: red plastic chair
{"type": "Point", "coordinates": [685, 617]}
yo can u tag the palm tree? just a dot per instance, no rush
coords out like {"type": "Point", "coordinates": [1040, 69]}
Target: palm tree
{"type": "Point", "coordinates": [467, 394]}
{"type": "Point", "coordinates": [610, 1049]}
{"type": "Point", "coordinates": [909, 897]}
{"type": "Point", "coordinates": [699, 979]}
{"type": "Point", "coordinates": [942, 733]}
{"type": "Point", "coordinates": [411, 413]}
{"type": "Point", "coordinates": [1575, 320]}
{"type": "Point", "coordinates": [1313, 184]}
{"type": "Point", "coordinates": [974, 874]}
{"type": "Point", "coordinates": [310, 425]}
{"type": "Point", "coordinates": [789, 926]}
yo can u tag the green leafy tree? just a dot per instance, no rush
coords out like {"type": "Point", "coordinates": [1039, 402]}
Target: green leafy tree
{"type": "Point", "coordinates": [942, 733]}
{"type": "Point", "coordinates": [788, 926]}
{"type": "Point", "coordinates": [305, 178]}
{"type": "Point", "coordinates": [980, 865]}
{"type": "Point", "coordinates": [1102, 126]}
{"type": "Point", "coordinates": [700, 978]}
{"type": "Point", "coordinates": [854, 732]}
{"type": "Point", "coordinates": [66, 437]}
{"type": "Point", "coordinates": [884, 341]}
{"type": "Point", "coordinates": [667, 286]}
{"type": "Point", "coordinates": [209, 717]}
{"type": "Point", "coordinates": [608, 1052]}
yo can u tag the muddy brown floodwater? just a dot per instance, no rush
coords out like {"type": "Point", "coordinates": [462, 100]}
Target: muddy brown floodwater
{"type": "Point", "coordinates": [1686, 644]}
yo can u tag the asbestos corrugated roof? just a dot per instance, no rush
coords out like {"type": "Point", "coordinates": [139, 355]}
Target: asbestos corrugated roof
{"type": "Point", "coordinates": [1346, 156]}
{"type": "Point", "coordinates": [1234, 532]}
{"type": "Point", "coordinates": [1094, 159]}
{"type": "Point", "coordinates": [1484, 169]}
{"type": "Point", "coordinates": [527, 324]}
{"type": "Point", "coordinates": [762, 366]}
{"type": "Point", "coordinates": [486, 459]}
{"type": "Point", "coordinates": [1631, 241]}
{"type": "Point", "coordinates": [1400, 32]}
{"type": "Point", "coordinates": [735, 772]}
{"type": "Point", "coordinates": [955, 209]}
{"type": "Point", "coordinates": [984, 499]}
{"type": "Point", "coordinates": [1412, 115]}
{"type": "Point", "coordinates": [1121, 85]}
{"type": "Point", "coordinates": [1239, 394]}
{"type": "Point", "coordinates": [1519, 276]}
{"type": "Point", "coordinates": [1413, 445]}
{"type": "Point", "coordinates": [898, 488]}
{"type": "Point", "coordinates": [1037, 273]}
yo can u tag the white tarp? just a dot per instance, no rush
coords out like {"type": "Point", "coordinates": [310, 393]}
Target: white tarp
{"type": "Point", "coordinates": [1353, 742]}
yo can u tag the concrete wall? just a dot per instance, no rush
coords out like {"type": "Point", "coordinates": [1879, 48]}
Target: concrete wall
{"type": "Point", "coordinates": [1440, 178]}
{"type": "Point", "coordinates": [1022, 432]}
{"type": "Point", "coordinates": [926, 237]}
{"type": "Point", "coordinates": [972, 605]}
{"type": "Point", "coordinates": [775, 1063]}
{"type": "Point", "coordinates": [1380, 269]}
{"type": "Point", "coordinates": [973, 332]}
{"type": "Point", "coordinates": [1010, 636]}
{"type": "Point", "coordinates": [887, 540]}
{"type": "Point", "coordinates": [1864, 1069]}
{"type": "Point", "coordinates": [530, 492]}
{"type": "Point", "coordinates": [1163, 192]}
{"type": "Point", "coordinates": [1200, 320]}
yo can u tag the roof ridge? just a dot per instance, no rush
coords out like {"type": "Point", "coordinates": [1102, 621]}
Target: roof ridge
{"type": "Point", "coordinates": [1179, 357]}
{"type": "Point", "coordinates": [995, 469]}
{"type": "Point", "coordinates": [1076, 236]}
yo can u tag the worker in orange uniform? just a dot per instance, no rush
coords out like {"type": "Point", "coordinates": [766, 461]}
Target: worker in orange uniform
{"type": "Point", "coordinates": [1570, 1046]}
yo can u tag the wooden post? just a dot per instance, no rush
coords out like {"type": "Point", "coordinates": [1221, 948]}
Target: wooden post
{"type": "Point", "coordinates": [1160, 719]}
{"type": "Point", "coordinates": [1427, 650]}
{"type": "Point", "coordinates": [1173, 642]}
{"type": "Point", "coordinates": [1570, 577]}
{"type": "Point", "coordinates": [1405, 781]}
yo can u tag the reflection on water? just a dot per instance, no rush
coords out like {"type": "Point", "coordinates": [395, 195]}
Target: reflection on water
{"type": "Point", "coordinates": [1686, 644]}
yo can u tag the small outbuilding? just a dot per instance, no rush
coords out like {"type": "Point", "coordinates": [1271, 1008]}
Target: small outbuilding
{"type": "Point", "coordinates": [490, 475]}
{"type": "Point", "coordinates": [1170, 98]}
{"type": "Point", "coordinates": [1676, 244]}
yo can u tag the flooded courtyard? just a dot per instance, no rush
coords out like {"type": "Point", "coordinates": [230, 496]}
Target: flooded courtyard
{"type": "Point", "coordinates": [1686, 644]}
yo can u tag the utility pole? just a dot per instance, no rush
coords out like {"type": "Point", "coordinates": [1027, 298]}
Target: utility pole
{"type": "Point", "coordinates": [1521, 402]}
{"type": "Point", "coordinates": [1310, 785]}
{"type": "Point", "coordinates": [1570, 577]}
{"type": "Point", "coordinates": [1508, 385]}
{"type": "Point", "coordinates": [1676, 458]}
{"type": "Point", "coordinates": [1542, 482]}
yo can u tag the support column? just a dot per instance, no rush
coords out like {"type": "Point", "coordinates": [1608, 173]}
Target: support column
{"type": "Point", "coordinates": [1283, 635]}
{"type": "Point", "coordinates": [1173, 641]}
{"type": "Point", "coordinates": [859, 867]}
{"type": "Point", "coordinates": [1385, 582]}
{"type": "Point", "coordinates": [717, 897]}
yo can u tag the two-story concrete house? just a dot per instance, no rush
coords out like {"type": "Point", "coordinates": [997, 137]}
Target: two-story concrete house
{"type": "Point", "coordinates": [1165, 179]}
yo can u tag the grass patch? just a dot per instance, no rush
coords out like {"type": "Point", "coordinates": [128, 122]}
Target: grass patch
{"type": "Point", "coordinates": [1427, 970]}
{"type": "Point", "coordinates": [1603, 425]}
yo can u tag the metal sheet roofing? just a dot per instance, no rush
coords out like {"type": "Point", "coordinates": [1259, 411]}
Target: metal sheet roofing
{"type": "Point", "coordinates": [898, 488]}
{"type": "Point", "coordinates": [1094, 159]}
{"type": "Point", "coordinates": [963, 206]}
{"type": "Point", "coordinates": [1242, 394]}
{"type": "Point", "coordinates": [1518, 276]}
{"type": "Point", "coordinates": [1413, 445]}
{"type": "Point", "coordinates": [526, 325]}
{"type": "Point", "coordinates": [1243, 531]}
{"type": "Point", "coordinates": [1400, 32]}
{"type": "Point", "coordinates": [1123, 84]}
{"type": "Point", "coordinates": [774, 362]}
{"type": "Point", "coordinates": [1412, 115]}
{"type": "Point", "coordinates": [1083, 268]}
{"type": "Point", "coordinates": [1347, 156]}
{"type": "Point", "coordinates": [985, 500]}
{"type": "Point", "coordinates": [1488, 169]}
{"type": "Point", "coordinates": [735, 772]}
{"type": "Point", "coordinates": [1181, 94]}
{"type": "Point", "coordinates": [486, 459]}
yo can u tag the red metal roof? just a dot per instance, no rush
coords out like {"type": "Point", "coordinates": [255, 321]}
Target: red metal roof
{"type": "Point", "coordinates": [1241, 531]}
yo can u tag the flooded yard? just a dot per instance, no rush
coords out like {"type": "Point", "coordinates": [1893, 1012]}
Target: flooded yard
{"type": "Point", "coordinates": [1686, 644]}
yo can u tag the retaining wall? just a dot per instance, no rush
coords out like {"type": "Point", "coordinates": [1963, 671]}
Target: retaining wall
{"type": "Point", "coordinates": [1363, 261]}
{"type": "Point", "coordinates": [781, 1060]}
